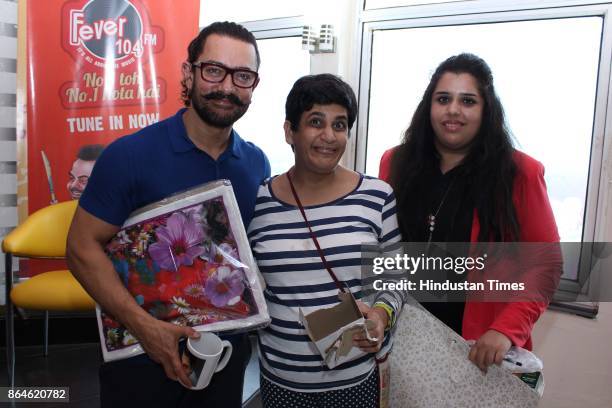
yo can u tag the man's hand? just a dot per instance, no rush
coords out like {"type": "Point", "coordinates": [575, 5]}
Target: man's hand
{"type": "Point", "coordinates": [159, 340]}
{"type": "Point", "coordinates": [490, 348]}
{"type": "Point", "coordinates": [380, 318]}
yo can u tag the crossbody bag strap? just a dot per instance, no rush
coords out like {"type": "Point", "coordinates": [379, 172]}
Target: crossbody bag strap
{"type": "Point", "coordinates": [340, 286]}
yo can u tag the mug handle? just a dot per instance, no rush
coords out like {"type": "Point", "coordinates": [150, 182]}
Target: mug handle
{"type": "Point", "coordinates": [226, 356]}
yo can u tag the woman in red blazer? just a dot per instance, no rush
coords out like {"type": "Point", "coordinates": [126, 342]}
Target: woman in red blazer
{"type": "Point", "coordinates": [457, 178]}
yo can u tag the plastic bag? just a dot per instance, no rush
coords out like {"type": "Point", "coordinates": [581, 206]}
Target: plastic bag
{"type": "Point", "coordinates": [519, 360]}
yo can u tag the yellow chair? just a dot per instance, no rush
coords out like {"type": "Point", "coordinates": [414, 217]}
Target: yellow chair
{"type": "Point", "coordinates": [42, 235]}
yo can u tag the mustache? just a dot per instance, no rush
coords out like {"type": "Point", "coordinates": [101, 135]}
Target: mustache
{"type": "Point", "coordinates": [220, 95]}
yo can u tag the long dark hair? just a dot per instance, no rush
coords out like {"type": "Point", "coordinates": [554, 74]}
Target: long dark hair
{"type": "Point", "coordinates": [488, 165]}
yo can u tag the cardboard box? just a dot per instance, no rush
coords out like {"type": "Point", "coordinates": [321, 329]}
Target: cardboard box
{"type": "Point", "coordinates": [332, 330]}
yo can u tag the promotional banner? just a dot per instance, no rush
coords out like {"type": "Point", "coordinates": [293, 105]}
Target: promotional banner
{"type": "Point", "coordinates": [95, 70]}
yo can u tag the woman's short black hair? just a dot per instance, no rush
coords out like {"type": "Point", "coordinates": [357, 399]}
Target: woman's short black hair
{"type": "Point", "coordinates": [321, 89]}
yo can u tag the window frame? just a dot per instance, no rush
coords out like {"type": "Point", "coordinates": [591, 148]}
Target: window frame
{"type": "Point", "coordinates": [275, 27]}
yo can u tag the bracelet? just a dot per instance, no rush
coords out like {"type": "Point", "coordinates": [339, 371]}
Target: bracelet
{"type": "Point", "coordinates": [390, 313]}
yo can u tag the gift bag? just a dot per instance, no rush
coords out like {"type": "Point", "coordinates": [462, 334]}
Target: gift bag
{"type": "Point", "coordinates": [431, 369]}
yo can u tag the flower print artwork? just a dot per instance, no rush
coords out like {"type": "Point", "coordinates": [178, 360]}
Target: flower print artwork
{"type": "Point", "coordinates": [183, 267]}
{"type": "Point", "coordinates": [181, 305]}
{"type": "Point", "coordinates": [195, 290]}
{"type": "Point", "coordinates": [177, 242]}
{"type": "Point", "coordinates": [225, 286]}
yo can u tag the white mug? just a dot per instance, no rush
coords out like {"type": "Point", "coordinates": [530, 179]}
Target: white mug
{"type": "Point", "coordinates": [207, 355]}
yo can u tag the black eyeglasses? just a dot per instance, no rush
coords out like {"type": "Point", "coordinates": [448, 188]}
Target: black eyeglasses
{"type": "Point", "coordinates": [214, 72]}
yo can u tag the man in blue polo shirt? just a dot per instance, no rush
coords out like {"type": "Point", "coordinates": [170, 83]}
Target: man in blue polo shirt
{"type": "Point", "coordinates": [194, 146]}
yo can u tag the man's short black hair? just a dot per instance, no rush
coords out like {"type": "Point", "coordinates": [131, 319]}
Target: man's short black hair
{"type": "Point", "coordinates": [90, 152]}
{"type": "Point", "coordinates": [321, 89]}
{"type": "Point", "coordinates": [225, 29]}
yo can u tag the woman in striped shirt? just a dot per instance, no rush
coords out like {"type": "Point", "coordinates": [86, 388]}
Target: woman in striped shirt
{"type": "Point", "coordinates": [345, 209]}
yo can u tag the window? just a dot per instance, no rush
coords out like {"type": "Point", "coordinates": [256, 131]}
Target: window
{"type": "Point", "coordinates": [536, 53]}
{"type": "Point", "coordinates": [282, 62]}
{"type": "Point", "coordinates": [548, 73]}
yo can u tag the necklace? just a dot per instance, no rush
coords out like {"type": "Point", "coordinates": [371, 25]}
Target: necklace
{"type": "Point", "coordinates": [431, 218]}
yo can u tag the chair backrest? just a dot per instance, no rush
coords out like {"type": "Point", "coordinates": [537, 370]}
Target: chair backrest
{"type": "Point", "coordinates": [43, 234]}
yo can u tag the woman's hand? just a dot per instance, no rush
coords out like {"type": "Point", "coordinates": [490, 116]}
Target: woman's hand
{"type": "Point", "coordinates": [490, 348]}
{"type": "Point", "coordinates": [380, 318]}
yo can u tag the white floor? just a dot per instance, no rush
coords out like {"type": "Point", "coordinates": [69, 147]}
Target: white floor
{"type": "Point", "coordinates": [577, 358]}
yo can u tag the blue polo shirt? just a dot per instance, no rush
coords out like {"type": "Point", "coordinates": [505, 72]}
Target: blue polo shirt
{"type": "Point", "coordinates": [161, 160]}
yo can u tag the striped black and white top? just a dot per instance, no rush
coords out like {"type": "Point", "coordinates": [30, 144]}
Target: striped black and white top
{"type": "Point", "coordinates": [296, 277]}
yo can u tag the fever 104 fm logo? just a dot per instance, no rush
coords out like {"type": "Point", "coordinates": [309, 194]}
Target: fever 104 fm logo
{"type": "Point", "coordinates": [104, 32]}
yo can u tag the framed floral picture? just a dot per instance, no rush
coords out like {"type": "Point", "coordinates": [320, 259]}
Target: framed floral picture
{"type": "Point", "coordinates": [186, 260]}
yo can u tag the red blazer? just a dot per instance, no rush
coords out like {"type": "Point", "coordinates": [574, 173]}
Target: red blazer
{"type": "Point", "coordinates": [537, 224]}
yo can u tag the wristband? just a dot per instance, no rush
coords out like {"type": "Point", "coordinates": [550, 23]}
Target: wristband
{"type": "Point", "coordinates": [390, 313]}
